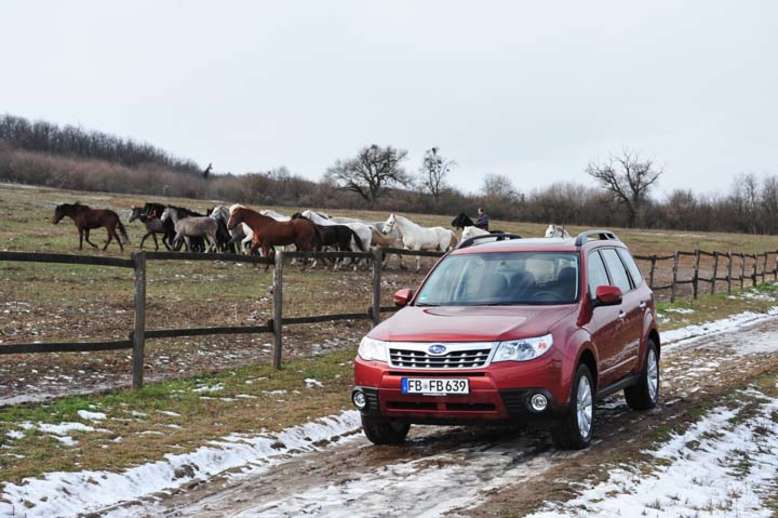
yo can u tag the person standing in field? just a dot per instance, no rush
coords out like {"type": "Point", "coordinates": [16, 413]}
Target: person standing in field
{"type": "Point", "coordinates": [483, 220]}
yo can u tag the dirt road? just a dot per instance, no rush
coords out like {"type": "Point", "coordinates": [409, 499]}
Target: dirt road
{"type": "Point", "coordinates": [475, 471]}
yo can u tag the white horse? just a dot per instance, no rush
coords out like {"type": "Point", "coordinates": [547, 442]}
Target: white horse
{"type": "Point", "coordinates": [469, 232]}
{"type": "Point", "coordinates": [275, 215]}
{"type": "Point", "coordinates": [557, 231]}
{"type": "Point", "coordinates": [416, 237]}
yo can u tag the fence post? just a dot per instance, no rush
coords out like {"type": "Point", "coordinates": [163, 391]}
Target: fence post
{"type": "Point", "coordinates": [715, 272]}
{"type": "Point", "coordinates": [775, 272]}
{"type": "Point", "coordinates": [278, 307]}
{"type": "Point", "coordinates": [139, 331]}
{"type": "Point", "coordinates": [696, 277]}
{"type": "Point", "coordinates": [764, 268]}
{"type": "Point", "coordinates": [756, 267]}
{"type": "Point", "coordinates": [651, 272]}
{"type": "Point", "coordinates": [742, 270]}
{"type": "Point", "coordinates": [375, 311]}
{"type": "Point", "coordinates": [729, 271]}
{"type": "Point", "coordinates": [675, 276]}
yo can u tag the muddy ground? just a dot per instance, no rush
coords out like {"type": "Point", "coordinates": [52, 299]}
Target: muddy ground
{"type": "Point", "coordinates": [481, 471]}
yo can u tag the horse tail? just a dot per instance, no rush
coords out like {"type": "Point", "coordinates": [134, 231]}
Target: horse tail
{"type": "Point", "coordinates": [123, 231]}
{"type": "Point", "coordinates": [317, 239]}
{"type": "Point", "coordinates": [357, 239]}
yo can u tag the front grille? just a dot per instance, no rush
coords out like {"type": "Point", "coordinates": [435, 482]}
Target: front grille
{"type": "Point", "coordinates": [454, 360]}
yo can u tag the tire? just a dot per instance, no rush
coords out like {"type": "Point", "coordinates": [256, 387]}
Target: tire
{"type": "Point", "coordinates": [384, 431]}
{"type": "Point", "coordinates": [570, 432]}
{"type": "Point", "coordinates": [645, 394]}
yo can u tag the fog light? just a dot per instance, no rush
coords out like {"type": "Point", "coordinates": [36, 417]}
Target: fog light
{"type": "Point", "coordinates": [539, 402]}
{"type": "Point", "coordinates": [359, 400]}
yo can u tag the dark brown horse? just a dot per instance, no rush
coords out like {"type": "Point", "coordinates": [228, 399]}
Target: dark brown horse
{"type": "Point", "coordinates": [269, 232]}
{"type": "Point", "coordinates": [87, 219]}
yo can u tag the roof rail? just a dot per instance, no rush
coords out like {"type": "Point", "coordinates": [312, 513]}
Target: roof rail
{"type": "Point", "coordinates": [501, 236]}
{"type": "Point", "coordinates": [597, 234]}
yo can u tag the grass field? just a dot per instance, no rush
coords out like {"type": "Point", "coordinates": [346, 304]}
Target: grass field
{"type": "Point", "coordinates": [63, 302]}
{"type": "Point", "coordinates": [204, 388]}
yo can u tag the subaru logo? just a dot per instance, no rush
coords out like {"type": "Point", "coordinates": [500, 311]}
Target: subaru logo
{"type": "Point", "coordinates": [437, 349]}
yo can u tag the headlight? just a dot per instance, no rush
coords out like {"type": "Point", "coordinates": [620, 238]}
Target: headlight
{"type": "Point", "coordinates": [524, 349]}
{"type": "Point", "coordinates": [370, 349]}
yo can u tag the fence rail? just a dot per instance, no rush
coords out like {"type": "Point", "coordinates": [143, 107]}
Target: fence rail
{"type": "Point", "coordinates": [139, 334]}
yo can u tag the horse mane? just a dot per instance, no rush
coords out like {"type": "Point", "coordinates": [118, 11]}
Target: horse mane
{"type": "Point", "coordinates": [235, 207]}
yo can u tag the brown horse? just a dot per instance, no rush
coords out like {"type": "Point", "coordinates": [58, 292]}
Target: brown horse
{"type": "Point", "coordinates": [87, 219]}
{"type": "Point", "coordinates": [269, 232]}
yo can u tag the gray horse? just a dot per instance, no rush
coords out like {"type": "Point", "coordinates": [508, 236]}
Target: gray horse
{"type": "Point", "coordinates": [194, 226]}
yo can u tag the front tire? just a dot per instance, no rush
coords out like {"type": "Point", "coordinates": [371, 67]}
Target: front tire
{"type": "Point", "coordinates": [645, 394]}
{"type": "Point", "coordinates": [574, 430]}
{"type": "Point", "coordinates": [384, 431]}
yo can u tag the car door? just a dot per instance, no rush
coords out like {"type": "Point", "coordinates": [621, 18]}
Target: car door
{"type": "Point", "coordinates": [605, 325]}
{"type": "Point", "coordinates": [627, 341]}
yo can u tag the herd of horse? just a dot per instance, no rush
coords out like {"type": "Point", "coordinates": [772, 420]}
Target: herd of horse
{"type": "Point", "coordinates": [240, 229]}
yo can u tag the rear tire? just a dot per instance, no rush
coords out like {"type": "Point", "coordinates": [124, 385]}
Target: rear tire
{"type": "Point", "coordinates": [645, 394]}
{"type": "Point", "coordinates": [574, 430]}
{"type": "Point", "coordinates": [384, 431]}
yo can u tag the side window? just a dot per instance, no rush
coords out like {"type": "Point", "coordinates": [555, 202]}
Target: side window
{"type": "Point", "coordinates": [616, 269]}
{"type": "Point", "coordinates": [597, 274]}
{"type": "Point", "coordinates": [632, 267]}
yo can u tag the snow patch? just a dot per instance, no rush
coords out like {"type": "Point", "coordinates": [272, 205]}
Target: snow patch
{"type": "Point", "coordinates": [715, 468]}
{"type": "Point", "coordinates": [73, 493]}
{"type": "Point", "coordinates": [715, 327]}
{"type": "Point", "coordinates": [91, 416]}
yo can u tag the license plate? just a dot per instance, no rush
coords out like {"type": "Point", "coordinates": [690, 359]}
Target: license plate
{"type": "Point", "coordinates": [435, 386]}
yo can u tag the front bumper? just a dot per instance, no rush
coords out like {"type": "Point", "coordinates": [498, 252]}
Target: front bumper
{"type": "Point", "coordinates": [498, 393]}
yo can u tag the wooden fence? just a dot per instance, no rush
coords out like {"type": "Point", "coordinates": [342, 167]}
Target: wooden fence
{"type": "Point", "coordinates": [725, 267]}
{"type": "Point", "coordinates": [139, 334]}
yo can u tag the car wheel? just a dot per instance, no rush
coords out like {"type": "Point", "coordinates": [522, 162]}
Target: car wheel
{"type": "Point", "coordinates": [574, 430]}
{"type": "Point", "coordinates": [645, 394]}
{"type": "Point", "coordinates": [384, 431]}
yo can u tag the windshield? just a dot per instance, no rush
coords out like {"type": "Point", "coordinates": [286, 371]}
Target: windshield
{"type": "Point", "coordinates": [502, 279]}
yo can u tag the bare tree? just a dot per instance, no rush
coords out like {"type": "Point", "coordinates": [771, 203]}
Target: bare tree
{"type": "Point", "coordinates": [628, 178]}
{"type": "Point", "coordinates": [372, 171]}
{"type": "Point", "coordinates": [433, 171]}
{"type": "Point", "coordinates": [498, 187]}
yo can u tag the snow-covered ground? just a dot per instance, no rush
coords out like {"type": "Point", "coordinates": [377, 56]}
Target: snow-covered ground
{"type": "Point", "coordinates": [462, 469]}
{"type": "Point", "coordinates": [72, 493]}
{"type": "Point", "coordinates": [724, 465]}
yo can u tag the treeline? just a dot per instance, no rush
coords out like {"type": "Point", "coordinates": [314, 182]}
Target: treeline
{"type": "Point", "coordinates": [71, 141]}
{"type": "Point", "coordinates": [623, 192]}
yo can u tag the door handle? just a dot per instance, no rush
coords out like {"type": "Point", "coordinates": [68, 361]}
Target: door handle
{"type": "Point", "coordinates": [642, 304]}
{"type": "Point", "coordinates": [622, 315]}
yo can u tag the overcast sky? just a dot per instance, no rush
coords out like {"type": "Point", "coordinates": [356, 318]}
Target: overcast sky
{"type": "Point", "coordinates": [533, 90]}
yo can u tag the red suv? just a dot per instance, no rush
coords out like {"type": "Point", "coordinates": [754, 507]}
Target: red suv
{"type": "Point", "coordinates": [513, 330]}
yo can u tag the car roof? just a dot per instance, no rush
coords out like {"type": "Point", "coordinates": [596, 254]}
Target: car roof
{"type": "Point", "coordinates": [539, 244]}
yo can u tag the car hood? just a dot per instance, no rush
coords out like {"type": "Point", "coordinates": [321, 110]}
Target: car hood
{"type": "Point", "coordinates": [469, 323]}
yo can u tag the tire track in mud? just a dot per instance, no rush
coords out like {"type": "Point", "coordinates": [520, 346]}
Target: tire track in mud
{"type": "Point", "coordinates": [453, 469]}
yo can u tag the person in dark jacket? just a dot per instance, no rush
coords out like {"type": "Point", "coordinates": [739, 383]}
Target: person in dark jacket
{"type": "Point", "coordinates": [483, 220]}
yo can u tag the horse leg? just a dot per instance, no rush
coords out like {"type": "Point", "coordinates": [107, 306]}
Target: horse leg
{"type": "Point", "coordinates": [108, 242]}
{"type": "Point", "coordinates": [86, 238]}
{"type": "Point", "coordinates": [80, 239]}
{"type": "Point", "coordinates": [156, 243]}
{"type": "Point", "coordinates": [118, 239]}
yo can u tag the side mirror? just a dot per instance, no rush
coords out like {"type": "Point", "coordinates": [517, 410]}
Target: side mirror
{"type": "Point", "coordinates": [402, 297]}
{"type": "Point", "coordinates": [607, 296]}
